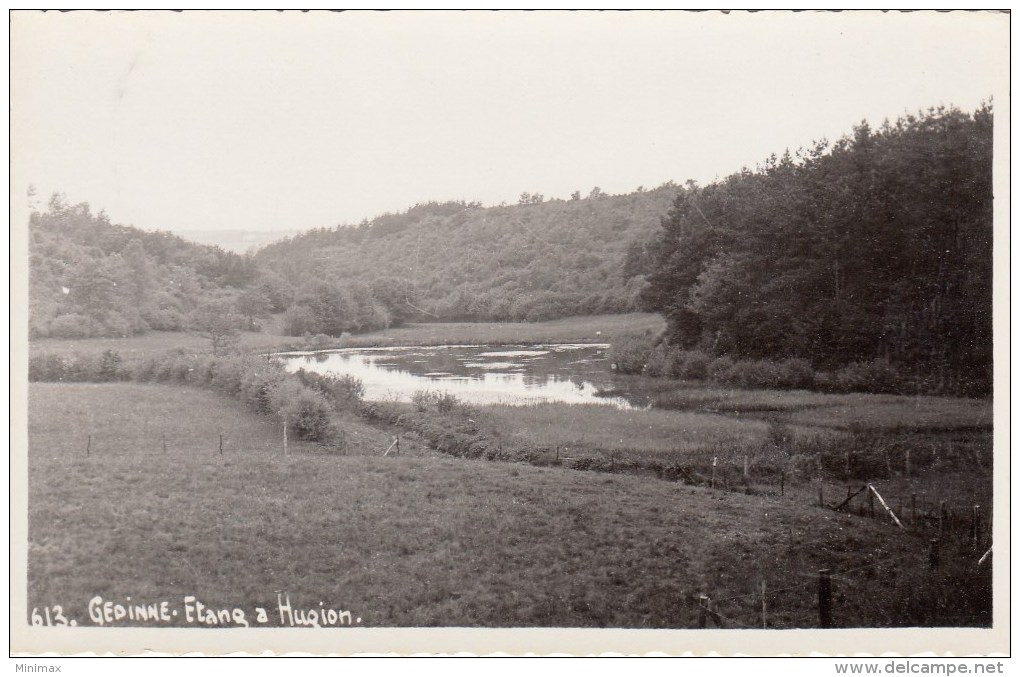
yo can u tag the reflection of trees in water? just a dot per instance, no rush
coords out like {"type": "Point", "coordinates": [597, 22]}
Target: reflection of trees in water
{"type": "Point", "coordinates": [533, 380]}
{"type": "Point", "coordinates": [442, 360]}
{"type": "Point", "coordinates": [574, 370]}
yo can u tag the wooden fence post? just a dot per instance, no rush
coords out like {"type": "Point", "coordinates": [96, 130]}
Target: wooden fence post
{"type": "Point", "coordinates": [703, 601]}
{"type": "Point", "coordinates": [933, 553]}
{"type": "Point", "coordinates": [764, 617]}
{"type": "Point", "coordinates": [221, 445]}
{"type": "Point", "coordinates": [782, 484]}
{"type": "Point", "coordinates": [821, 497]}
{"type": "Point", "coordinates": [285, 438]}
{"type": "Point", "coordinates": [906, 464]}
{"type": "Point", "coordinates": [716, 618]}
{"type": "Point", "coordinates": [164, 443]}
{"type": "Point", "coordinates": [746, 468]}
{"type": "Point", "coordinates": [824, 598]}
{"type": "Point", "coordinates": [88, 446]}
{"type": "Point", "coordinates": [874, 494]}
{"type": "Point", "coordinates": [712, 484]}
{"type": "Point", "coordinates": [975, 527]}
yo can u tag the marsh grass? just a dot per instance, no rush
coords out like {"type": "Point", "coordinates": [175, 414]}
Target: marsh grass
{"type": "Point", "coordinates": [806, 408]}
{"type": "Point", "coordinates": [412, 541]}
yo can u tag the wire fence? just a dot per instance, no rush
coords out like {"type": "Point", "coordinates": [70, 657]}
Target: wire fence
{"type": "Point", "coordinates": [764, 608]}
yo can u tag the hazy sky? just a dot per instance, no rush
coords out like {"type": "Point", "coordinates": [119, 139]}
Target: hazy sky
{"type": "Point", "coordinates": [270, 121]}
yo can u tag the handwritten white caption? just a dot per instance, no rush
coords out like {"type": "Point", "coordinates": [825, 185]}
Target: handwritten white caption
{"type": "Point", "coordinates": [193, 612]}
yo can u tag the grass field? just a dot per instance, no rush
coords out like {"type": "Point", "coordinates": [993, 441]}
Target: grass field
{"type": "Point", "coordinates": [154, 343]}
{"type": "Point", "coordinates": [587, 329]}
{"type": "Point", "coordinates": [600, 428]}
{"type": "Point", "coordinates": [594, 329]}
{"type": "Point", "coordinates": [421, 540]}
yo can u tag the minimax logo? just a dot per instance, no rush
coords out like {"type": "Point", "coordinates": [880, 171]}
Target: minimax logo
{"type": "Point", "coordinates": [25, 667]}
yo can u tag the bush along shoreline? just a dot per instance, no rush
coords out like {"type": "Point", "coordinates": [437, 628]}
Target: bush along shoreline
{"type": "Point", "coordinates": [308, 403]}
{"type": "Point", "coordinates": [648, 354]}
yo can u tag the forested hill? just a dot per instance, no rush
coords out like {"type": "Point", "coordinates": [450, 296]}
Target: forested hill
{"type": "Point", "coordinates": [89, 277]}
{"type": "Point", "coordinates": [535, 260]}
{"type": "Point", "coordinates": [878, 248]}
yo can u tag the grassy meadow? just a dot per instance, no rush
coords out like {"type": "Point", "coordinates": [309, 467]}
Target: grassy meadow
{"type": "Point", "coordinates": [423, 539]}
{"type": "Point", "coordinates": [588, 329]}
{"type": "Point", "coordinates": [130, 496]}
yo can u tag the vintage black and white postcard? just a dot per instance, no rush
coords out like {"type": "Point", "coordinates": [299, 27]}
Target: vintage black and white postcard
{"type": "Point", "coordinates": [526, 332]}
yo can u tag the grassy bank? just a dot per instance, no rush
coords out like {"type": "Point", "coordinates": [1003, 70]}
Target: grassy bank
{"type": "Point", "coordinates": [805, 408]}
{"type": "Point", "coordinates": [587, 329]}
{"type": "Point", "coordinates": [426, 540]}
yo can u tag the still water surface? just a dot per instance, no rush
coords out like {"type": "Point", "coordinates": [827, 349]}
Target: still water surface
{"type": "Point", "coordinates": [509, 374]}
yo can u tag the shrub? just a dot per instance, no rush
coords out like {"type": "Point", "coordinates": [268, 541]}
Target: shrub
{"type": "Point", "coordinates": [876, 376]}
{"type": "Point", "coordinates": [446, 403]}
{"type": "Point", "coordinates": [110, 363]}
{"type": "Point", "coordinates": [797, 373]}
{"type": "Point", "coordinates": [307, 413]}
{"type": "Point", "coordinates": [257, 383]}
{"type": "Point", "coordinates": [318, 341]}
{"type": "Point", "coordinates": [164, 319]}
{"type": "Point", "coordinates": [422, 400]}
{"type": "Point", "coordinates": [344, 391]}
{"type": "Point", "coordinates": [659, 362]}
{"type": "Point", "coordinates": [689, 364]}
{"type": "Point", "coordinates": [630, 354]}
{"type": "Point", "coordinates": [718, 369]}
{"type": "Point", "coordinates": [225, 374]}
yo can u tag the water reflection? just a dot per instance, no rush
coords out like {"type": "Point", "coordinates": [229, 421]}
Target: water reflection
{"type": "Point", "coordinates": [570, 373]}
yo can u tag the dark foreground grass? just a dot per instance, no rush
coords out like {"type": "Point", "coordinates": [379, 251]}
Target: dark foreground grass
{"type": "Point", "coordinates": [422, 540]}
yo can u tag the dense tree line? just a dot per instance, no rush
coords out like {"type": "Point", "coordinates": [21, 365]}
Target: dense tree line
{"type": "Point", "coordinates": [878, 247]}
{"type": "Point", "coordinates": [537, 260]}
{"type": "Point", "coordinates": [89, 277]}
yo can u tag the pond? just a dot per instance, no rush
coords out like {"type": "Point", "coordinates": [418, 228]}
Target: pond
{"type": "Point", "coordinates": [508, 374]}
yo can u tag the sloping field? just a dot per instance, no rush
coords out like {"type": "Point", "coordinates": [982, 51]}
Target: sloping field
{"type": "Point", "coordinates": [421, 540]}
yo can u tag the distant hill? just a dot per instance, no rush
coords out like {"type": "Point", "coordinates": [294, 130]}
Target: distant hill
{"type": "Point", "coordinates": [537, 260]}
{"type": "Point", "coordinates": [237, 241]}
